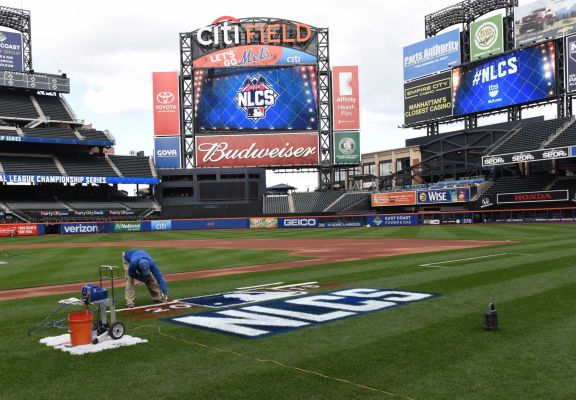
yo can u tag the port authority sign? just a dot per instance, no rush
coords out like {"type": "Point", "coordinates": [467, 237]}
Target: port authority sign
{"type": "Point", "coordinates": [286, 315]}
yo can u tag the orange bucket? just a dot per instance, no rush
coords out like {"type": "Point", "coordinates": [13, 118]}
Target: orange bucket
{"type": "Point", "coordinates": [80, 324]}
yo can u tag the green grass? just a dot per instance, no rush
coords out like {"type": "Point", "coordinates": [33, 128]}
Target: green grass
{"type": "Point", "coordinates": [435, 349]}
{"type": "Point", "coordinates": [39, 267]}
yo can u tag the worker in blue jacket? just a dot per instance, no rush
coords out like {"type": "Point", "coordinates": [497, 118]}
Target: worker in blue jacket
{"type": "Point", "coordinates": [140, 266]}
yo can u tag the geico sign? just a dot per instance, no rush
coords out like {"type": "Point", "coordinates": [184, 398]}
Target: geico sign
{"type": "Point", "coordinates": [493, 161]}
{"type": "Point", "coordinates": [300, 222]}
{"type": "Point", "coordinates": [230, 31]}
{"type": "Point", "coordinates": [80, 228]}
{"type": "Point", "coordinates": [166, 153]}
{"type": "Point", "coordinates": [523, 157]}
{"type": "Point", "coordinates": [555, 154]}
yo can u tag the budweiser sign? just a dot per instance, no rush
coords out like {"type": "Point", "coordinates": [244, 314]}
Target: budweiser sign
{"type": "Point", "coordinates": [257, 150]}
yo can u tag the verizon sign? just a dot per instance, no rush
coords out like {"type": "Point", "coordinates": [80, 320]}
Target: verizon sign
{"type": "Point", "coordinates": [258, 150]}
{"type": "Point", "coordinates": [532, 197]}
{"type": "Point", "coordinates": [346, 99]}
{"type": "Point", "coordinates": [166, 104]}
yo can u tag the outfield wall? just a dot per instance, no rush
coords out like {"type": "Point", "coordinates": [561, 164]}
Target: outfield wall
{"type": "Point", "coordinates": [339, 221]}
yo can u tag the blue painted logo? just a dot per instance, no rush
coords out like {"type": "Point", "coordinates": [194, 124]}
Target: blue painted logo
{"type": "Point", "coordinates": [286, 315]}
{"type": "Point", "coordinates": [222, 300]}
{"type": "Point", "coordinates": [164, 225]}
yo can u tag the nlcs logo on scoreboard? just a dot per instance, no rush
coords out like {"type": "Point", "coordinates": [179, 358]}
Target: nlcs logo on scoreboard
{"type": "Point", "coordinates": [255, 97]}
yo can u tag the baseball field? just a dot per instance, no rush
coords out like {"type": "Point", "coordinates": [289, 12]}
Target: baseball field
{"type": "Point", "coordinates": [378, 313]}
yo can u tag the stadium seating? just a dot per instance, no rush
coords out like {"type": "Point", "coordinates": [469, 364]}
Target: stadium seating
{"type": "Point", "coordinates": [93, 134]}
{"type": "Point", "coordinates": [28, 165]}
{"type": "Point", "coordinates": [517, 184]}
{"type": "Point", "coordinates": [139, 203]}
{"type": "Point", "coordinates": [53, 108]}
{"type": "Point", "coordinates": [51, 132]}
{"type": "Point", "coordinates": [36, 205]}
{"type": "Point", "coordinates": [566, 138]}
{"type": "Point", "coordinates": [314, 202]}
{"type": "Point", "coordinates": [348, 200]}
{"type": "Point", "coordinates": [131, 166]}
{"type": "Point", "coordinates": [17, 105]}
{"type": "Point", "coordinates": [276, 204]}
{"type": "Point", "coordinates": [529, 137]}
{"type": "Point", "coordinates": [96, 205]}
{"type": "Point", "coordinates": [86, 166]}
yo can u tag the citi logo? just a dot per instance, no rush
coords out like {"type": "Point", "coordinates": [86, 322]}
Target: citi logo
{"type": "Point", "coordinates": [165, 97]}
{"type": "Point", "coordinates": [167, 153]}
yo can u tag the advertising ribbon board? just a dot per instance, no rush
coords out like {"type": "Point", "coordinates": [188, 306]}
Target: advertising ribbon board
{"type": "Point", "coordinates": [263, 223]}
{"type": "Point", "coordinates": [127, 227]}
{"type": "Point", "coordinates": [428, 98]}
{"type": "Point", "coordinates": [18, 230]}
{"type": "Point", "coordinates": [532, 197]}
{"type": "Point", "coordinates": [526, 156]}
{"type": "Point", "coordinates": [394, 199]}
{"type": "Point", "coordinates": [435, 196]}
{"type": "Point", "coordinates": [486, 37]}
{"type": "Point", "coordinates": [248, 56]}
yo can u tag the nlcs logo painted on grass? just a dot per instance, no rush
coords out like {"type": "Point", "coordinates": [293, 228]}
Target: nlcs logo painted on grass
{"type": "Point", "coordinates": [290, 314]}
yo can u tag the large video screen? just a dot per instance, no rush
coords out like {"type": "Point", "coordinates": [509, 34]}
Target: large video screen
{"type": "Point", "coordinates": [515, 78]}
{"type": "Point", "coordinates": [255, 99]}
{"type": "Point", "coordinates": [542, 20]}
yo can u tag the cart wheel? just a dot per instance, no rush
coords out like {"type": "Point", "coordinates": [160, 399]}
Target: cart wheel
{"type": "Point", "coordinates": [116, 331]}
{"type": "Point", "coordinates": [95, 341]}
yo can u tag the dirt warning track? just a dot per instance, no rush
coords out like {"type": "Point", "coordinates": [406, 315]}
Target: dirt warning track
{"type": "Point", "coordinates": [318, 251]}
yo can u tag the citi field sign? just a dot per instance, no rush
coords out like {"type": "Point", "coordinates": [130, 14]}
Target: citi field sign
{"type": "Point", "coordinates": [227, 31]}
{"type": "Point", "coordinates": [233, 42]}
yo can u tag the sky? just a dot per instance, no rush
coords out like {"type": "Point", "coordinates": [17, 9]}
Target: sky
{"type": "Point", "coordinates": [109, 50]}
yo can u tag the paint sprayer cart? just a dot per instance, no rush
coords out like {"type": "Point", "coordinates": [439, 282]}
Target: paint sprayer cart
{"type": "Point", "coordinates": [97, 295]}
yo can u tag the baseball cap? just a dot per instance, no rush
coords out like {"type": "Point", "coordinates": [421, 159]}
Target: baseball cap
{"type": "Point", "coordinates": [144, 266]}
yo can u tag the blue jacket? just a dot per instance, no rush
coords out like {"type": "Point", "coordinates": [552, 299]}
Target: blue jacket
{"type": "Point", "coordinates": [133, 257]}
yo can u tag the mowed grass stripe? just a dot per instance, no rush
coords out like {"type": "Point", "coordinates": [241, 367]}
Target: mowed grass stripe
{"type": "Point", "coordinates": [40, 267]}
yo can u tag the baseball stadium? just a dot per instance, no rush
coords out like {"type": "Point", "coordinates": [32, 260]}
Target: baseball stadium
{"type": "Point", "coordinates": [444, 269]}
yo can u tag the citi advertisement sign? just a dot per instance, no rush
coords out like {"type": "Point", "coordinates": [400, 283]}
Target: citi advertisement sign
{"type": "Point", "coordinates": [532, 197]}
{"type": "Point", "coordinates": [298, 222]}
{"type": "Point", "coordinates": [161, 225]}
{"type": "Point", "coordinates": [287, 315]}
{"type": "Point", "coordinates": [228, 31]}
{"type": "Point", "coordinates": [167, 152]}
{"type": "Point", "coordinates": [166, 103]}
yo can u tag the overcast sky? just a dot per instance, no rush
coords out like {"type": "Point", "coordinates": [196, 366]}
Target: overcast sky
{"type": "Point", "coordinates": [109, 50]}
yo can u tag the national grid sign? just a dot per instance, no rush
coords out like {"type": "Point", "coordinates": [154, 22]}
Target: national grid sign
{"type": "Point", "coordinates": [286, 315]}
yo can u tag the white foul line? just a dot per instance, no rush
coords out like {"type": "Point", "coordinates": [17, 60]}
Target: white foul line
{"type": "Point", "coordinates": [433, 265]}
{"type": "Point", "coordinates": [260, 286]}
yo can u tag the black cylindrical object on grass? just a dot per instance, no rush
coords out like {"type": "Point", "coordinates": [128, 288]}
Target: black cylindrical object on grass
{"type": "Point", "coordinates": [491, 318]}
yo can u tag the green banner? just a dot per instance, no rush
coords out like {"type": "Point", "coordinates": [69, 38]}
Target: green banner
{"type": "Point", "coordinates": [127, 227]}
{"type": "Point", "coordinates": [347, 147]}
{"type": "Point", "coordinates": [486, 37]}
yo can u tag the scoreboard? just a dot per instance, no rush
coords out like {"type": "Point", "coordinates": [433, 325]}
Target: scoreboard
{"type": "Point", "coordinates": [34, 81]}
